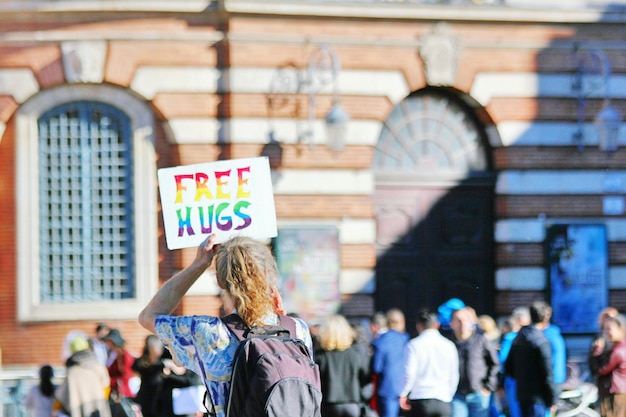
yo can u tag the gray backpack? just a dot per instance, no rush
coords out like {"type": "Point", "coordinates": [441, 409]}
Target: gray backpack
{"type": "Point", "coordinates": [273, 372]}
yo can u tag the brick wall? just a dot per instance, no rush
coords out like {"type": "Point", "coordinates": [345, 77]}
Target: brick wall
{"type": "Point", "coordinates": [265, 44]}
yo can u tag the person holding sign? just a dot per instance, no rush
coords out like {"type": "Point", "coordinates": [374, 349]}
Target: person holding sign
{"type": "Point", "coordinates": [247, 273]}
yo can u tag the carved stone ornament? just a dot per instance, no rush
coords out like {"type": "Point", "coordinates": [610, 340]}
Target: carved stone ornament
{"type": "Point", "coordinates": [83, 61]}
{"type": "Point", "coordinates": [440, 51]}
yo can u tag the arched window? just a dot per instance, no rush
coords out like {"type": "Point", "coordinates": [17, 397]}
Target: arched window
{"type": "Point", "coordinates": [85, 204]}
{"type": "Point", "coordinates": [86, 194]}
{"type": "Point", "coordinates": [431, 132]}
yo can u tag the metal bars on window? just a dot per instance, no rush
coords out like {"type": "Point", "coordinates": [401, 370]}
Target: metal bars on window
{"type": "Point", "coordinates": [85, 204]}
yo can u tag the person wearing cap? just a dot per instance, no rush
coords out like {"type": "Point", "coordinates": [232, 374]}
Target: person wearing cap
{"type": "Point", "coordinates": [120, 368]}
{"type": "Point", "coordinates": [444, 316]}
{"type": "Point", "coordinates": [85, 390]}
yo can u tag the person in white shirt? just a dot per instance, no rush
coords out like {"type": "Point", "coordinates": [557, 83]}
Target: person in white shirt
{"type": "Point", "coordinates": [431, 371]}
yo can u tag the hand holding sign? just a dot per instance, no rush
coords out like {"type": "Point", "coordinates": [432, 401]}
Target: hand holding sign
{"type": "Point", "coordinates": [225, 198]}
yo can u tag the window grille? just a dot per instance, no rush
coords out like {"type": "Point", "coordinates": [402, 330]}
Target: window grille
{"type": "Point", "coordinates": [85, 204]}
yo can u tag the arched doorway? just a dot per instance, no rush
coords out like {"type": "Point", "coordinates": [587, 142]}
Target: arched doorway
{"type": "Point", "coordinates": [434, 205]}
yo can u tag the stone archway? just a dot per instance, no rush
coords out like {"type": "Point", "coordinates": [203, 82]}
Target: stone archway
{"type": "Point", "coordinates": [434, 205]}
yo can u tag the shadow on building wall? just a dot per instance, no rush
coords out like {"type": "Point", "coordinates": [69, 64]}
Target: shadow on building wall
{"type": "Point", "coordinates": [450, 251]}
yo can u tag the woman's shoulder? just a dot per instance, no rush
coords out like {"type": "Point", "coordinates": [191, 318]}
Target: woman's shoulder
{"type": "Point", "coordinates": [187, 324]}
{"type": "Point", "coordinates": [184, 330]}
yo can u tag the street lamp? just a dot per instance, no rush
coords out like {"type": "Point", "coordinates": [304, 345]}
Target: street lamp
{"type": "Point", "coordinates": [322, 70]}
{"type": "Point", "coordinates": [336, 127]}
{"type": "Point", "coordinates": [607, 124]}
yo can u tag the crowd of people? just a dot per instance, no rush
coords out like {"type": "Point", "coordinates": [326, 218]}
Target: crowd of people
{"type": "Point", "coordinates": [103, 379]}
{"type": "Point", "coordinates": [460, 364]}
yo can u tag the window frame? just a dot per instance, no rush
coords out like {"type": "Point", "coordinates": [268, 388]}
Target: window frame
{"type": "Point", "coordinates": [145, 245]}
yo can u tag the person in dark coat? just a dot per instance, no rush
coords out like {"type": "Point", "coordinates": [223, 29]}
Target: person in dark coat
{"type": "Point", "coordinates": [344, 369]}
{"type": "Point", "coordinates": [149, 366]}
{"type": "Point", "coordinates": [530, 363]}
{"type": "Point", "coordinates": [174, 376]}
{"type": "Point", "coordinates": [159, 376]}
{"type": "Point", "coordinates": [478, 366]}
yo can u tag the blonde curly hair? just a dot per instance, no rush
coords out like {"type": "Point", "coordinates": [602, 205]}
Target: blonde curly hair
{"type": "Point", "coordinates": [246, 269]}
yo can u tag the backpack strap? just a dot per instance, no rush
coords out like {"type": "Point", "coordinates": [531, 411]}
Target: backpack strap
{"type": "Point", "coordinates": [239, 328]}
{"type": "Point", "coordinates": [290, 324]}
{"type": "Point", "coordinates": [207, 394]}
{"type": "Point", "coordinates": [236, 325]}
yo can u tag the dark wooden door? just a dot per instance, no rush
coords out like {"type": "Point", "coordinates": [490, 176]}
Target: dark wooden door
{"type": "Point", "coordinates": [434, 244]}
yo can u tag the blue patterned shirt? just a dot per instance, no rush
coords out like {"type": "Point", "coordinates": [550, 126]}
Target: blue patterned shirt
{"type": "Point", "coordinates": [204, 345]}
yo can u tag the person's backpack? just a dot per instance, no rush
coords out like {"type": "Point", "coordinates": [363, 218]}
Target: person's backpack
{"type": "Point", "coordinates": [273, 372]}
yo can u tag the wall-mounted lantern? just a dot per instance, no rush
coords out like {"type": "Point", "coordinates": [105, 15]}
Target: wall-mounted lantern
{"type": "Point", "coordinates": [322, 71]}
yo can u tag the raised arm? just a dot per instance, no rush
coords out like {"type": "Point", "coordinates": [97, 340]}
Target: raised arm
{"type": "Point", "coordinates": [172, 292]}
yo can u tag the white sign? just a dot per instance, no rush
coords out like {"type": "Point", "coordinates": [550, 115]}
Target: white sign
{"type": "Point", "coordinates": [225, 198]}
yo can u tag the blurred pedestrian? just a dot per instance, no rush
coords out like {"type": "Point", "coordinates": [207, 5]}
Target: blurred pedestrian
{"type": "Point", "coordinates": [98, 345]}
{"type": "Point", "coordinates": [614, 404]}
{"type": "Point", "coordinates": [530, 363]}
{"type": "Point", "coordinates": [40, 397]}
{"type": "Point", "coordinates": [121, 366]}
{"type": "Point", "coordinates": [490, 329]}
{"type": "Point", "coordinates": [344, 369]}
{"type": "Point", "coordinates": [379, 324]}
{"type": "Point", "coordinates": [149, 367]}
{"type": "Point", "coordinates": [445, 312]}
{"type": "Point", "coordinates": [431, 371]}
{"type": "Point", "coordinates": [520, 317]}
{"type": "Point", "coordinates": [478, 366]}
{"type": "Point", "coordinates": [557, 347]}
{"type": "Point", "coordinates": [85, 389]}
{"type": "Point", "coordinates": [388, 363]}
{"type": "Point", "coordinates": [599, 353]}
{"type": "Point", "coordinates": [173, 377]}
{"type": "Point", "coordinates": [66, 351]}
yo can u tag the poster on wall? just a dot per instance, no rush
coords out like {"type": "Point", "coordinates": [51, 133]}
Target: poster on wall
{"type": "Point", "coordinates": [308, 263]}
{"type": "Point", "coordinates": [225, 198]}
{"type": "Point", "coordinates": [577, 256]}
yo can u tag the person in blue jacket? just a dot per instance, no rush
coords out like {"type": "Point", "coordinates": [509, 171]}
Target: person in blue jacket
{"type": "Point", "coordinates": [520, 317]}
{"type": "Point", "coordinates": [559, 352]}
{"type": "Point", "coordinates": [388, 364]}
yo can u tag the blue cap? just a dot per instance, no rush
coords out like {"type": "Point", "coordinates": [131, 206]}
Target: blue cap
{"type": "Point", "coordinates": [446, 309]}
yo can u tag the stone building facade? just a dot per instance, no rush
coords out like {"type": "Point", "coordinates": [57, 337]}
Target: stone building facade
{"type": "Point", "coordinates": [468, 137]}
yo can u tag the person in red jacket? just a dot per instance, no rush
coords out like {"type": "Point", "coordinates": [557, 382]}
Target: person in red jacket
{"type": "Point", "coordinates": [121, 366]}
{"type": "Point", "coordinates": [614, 405]}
